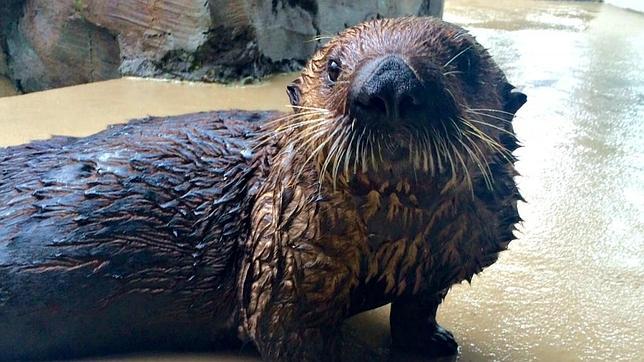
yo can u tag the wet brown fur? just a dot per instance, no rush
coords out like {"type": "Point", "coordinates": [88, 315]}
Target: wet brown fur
{"type": "Point", "coordinates": [343, 234]}
{"type": "Point", "coordinates": [180, 222]}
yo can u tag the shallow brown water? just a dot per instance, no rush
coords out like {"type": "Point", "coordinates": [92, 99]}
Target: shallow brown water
{"type": "Point", "coordinates": [571, 288]}
{"type": "Point", "coordinates": [87, 109]}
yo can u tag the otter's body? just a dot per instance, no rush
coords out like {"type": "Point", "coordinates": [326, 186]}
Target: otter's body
{"type": "Point", "coordinates": [391, 181]}
{"type": "Point", "coordinates": [109, 245]}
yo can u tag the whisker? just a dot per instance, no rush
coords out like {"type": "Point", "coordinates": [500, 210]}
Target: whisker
{"type": "Point", "coordinates": [332, 150]}
{"type": "Point", "coordinates": [507, 155]}
{"type": "Point", "coordinates": [418, 163]}
{"type": "Point", "coordinates": [411, 149]}
{"type": "Point", "coordinates": [445, 142]}
{"type": "Point", "coordinates": [434, 151]}
{"type": "Point", "coordinates": [460, 34]}
{"type": "Point", "coordinates": [301, 142]}
{"type": "Point", "coordinates": [357, 157]}
{"type": "Point", "coordinates": [452, 72]}
{"type": "Point", "coordinates": [492, 110]}
{"type": "Point", "coordinates": [493, 126]}
{"type": "Point", "coordinates": [413, 159]}
{"type": "Point", "coordinates": [312, 155]}
{"type": "Point", "coordinates": [348, 155]}
{"type": "Point", "coordinates": [448, 158]}
{"type": "Point", "coordinates": [489, 116]}
{"type": "Point", "coordinates": [290, 126]}
{"type": "Point", "coordinates": [339, 156]}
{"type": "Point", "coordinates": [452, 95]}
{"type": "Point", "coordinates": [428, 159]}
{"type": "Point", "coordinates": [468, 177]}
{"type": "Point", "coordinates": [270, 134]}
{"type": "Point", "coordinates": [469, 151]}
{"type": "Point", "coordinates": [480, 152]}
{"type": "Point", "coordinates": [290, 117]}
{"type": "Point", "coordinates": [370, 141]}
{"type": "Point", "coordinates": [365, 164]}
{"type": "Point", "coordinates": [457, 55]}
{"type": "Point", "coordinates": [320, 37]}
{"type": "Point", "coordinates": [308, 139]}
{"type": "Point", "coordinates": [363, 155]}
{"type": "Point", "coordinates": [309, 108]}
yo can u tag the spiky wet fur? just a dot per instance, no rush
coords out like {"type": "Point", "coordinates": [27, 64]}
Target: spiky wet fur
{"type": "Point", "coordinates": [170, 233]}
{"type": "Point", "coordinates": [340, 227]}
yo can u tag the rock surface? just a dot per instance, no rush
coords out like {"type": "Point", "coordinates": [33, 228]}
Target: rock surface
{"type": "Point", "coordinates": [8, 16]}
{"type": "Point", "coordinates": [57, 43]}
{"type": "Point", "coordinates": [7, 87]}
{"type": "Point", "coordinates": [53, 45]}
{"type": "Point", "coordinates": [3, 63]}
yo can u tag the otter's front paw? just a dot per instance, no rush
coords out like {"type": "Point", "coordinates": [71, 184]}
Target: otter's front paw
{"type": "Point", "coordinates": [431, 342]}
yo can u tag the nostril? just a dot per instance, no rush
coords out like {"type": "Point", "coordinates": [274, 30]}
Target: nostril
{"type": "Point", "coordinates": [387, 90]}
{"type": "Point", "coordinates": [372, 104]}
{"type": "Point", "coordinates": [408, 105]}
{"type": "Point", "coordinates": [377, 104]}
{"type": "Point", "coordinates": [407, 101]}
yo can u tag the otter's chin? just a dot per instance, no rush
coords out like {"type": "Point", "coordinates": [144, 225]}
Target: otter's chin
{"type": "Point", "coordinates": [398, 154]}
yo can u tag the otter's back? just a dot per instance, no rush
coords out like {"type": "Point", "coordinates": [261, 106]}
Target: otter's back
{"type": "Point", "coordinates": [123, 239]}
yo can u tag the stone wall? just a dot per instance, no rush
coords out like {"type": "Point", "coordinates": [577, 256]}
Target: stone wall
{"type": "Point", "coordinates": [3, 63]}
{"type": "Point", "coordinates": [57, 43]}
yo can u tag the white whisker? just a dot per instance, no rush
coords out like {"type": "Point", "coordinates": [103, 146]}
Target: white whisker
{"type": "Point", "coordinates": [457, 55]}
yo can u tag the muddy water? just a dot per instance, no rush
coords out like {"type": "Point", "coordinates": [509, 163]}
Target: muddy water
{"type": "Point", "coordinates": [572, 287]}
{"type": "Point", "coordinates": [87, 109]}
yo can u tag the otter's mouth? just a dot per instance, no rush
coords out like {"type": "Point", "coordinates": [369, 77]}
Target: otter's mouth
{"type": "Point", "coordinates": [402, 104]}
{"type": "Point", "coordinates": [395, 146]}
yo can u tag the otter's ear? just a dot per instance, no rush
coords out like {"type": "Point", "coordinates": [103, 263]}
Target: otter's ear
{"type": "Point", "coordinates": [294, 92]}
{"type": "Point", "coordinates": [514, 99]}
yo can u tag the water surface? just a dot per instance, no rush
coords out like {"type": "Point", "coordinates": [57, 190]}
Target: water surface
{"type": "Point", "coordinates": [86, 109]}
{"type": "Point", "coordinates": [571, 287]}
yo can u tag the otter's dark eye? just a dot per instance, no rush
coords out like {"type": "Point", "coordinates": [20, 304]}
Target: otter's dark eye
{"type": "Point", "coordinates": [334, 68]}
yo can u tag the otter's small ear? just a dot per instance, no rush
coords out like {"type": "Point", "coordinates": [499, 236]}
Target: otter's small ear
{"type": "Point", "coordinates": [294, 92]}
{"type": "Point", "coordinates": [514, 99]}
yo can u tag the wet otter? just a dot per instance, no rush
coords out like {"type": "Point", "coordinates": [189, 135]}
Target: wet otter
{"type": "Point", "coordinates": [390, 181]}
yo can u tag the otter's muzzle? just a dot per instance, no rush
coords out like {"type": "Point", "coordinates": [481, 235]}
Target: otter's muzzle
{"type": "Point", "coordinates": [387, 91]}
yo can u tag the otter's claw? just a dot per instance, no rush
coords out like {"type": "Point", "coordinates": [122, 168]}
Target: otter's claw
{"type": "Point", "coordinates": [436, 342]}
{"type": "Point", "coordinates": [441, 343]}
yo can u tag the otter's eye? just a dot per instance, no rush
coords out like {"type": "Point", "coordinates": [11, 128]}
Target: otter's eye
{"type": "Point", "coordinates": [334, 68]}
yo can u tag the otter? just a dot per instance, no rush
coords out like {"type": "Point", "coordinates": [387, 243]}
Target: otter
{"type": "Point", "coordinates": [391, 180]}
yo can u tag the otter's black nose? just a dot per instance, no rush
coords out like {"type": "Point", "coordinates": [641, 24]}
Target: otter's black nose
{"type": "Point", "coordinates": [386, 90]}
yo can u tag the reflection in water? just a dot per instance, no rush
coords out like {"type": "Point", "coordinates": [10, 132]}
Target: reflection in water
{"type": "Point", "coordinates": [571, 287]}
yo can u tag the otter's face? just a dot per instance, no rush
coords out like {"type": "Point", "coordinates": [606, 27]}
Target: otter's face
{"type": "Point", "coordinates": [417, 92]}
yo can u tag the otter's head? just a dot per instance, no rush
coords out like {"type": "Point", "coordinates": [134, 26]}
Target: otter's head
{"type": "Point", "coordinates": [417, 93]}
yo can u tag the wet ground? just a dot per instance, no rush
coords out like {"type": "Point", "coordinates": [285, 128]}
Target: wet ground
{"type": "Point", "coordinates": [572, 287]}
